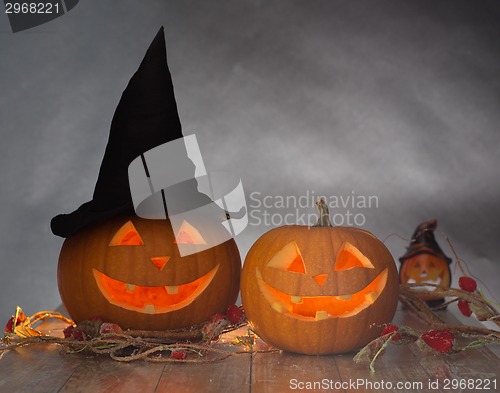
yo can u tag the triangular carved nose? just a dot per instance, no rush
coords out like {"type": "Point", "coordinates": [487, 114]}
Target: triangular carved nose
{"type": "Point", "coordinates": [160, 262]}
{"type": "Point", "coordinates": [320, 279]}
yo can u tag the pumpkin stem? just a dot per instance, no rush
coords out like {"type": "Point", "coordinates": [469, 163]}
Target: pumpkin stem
{"type": "Point", "coordinates": [324, 215]}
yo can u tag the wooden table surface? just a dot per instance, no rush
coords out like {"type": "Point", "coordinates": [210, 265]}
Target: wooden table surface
{"type": "Point", "coordinates": [46, 368]}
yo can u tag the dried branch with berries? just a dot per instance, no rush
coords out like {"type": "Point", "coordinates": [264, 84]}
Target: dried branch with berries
{"type": "Point", "coordinates": [442, 339]}
{"type": "Point", "coordinates": [193, 345]}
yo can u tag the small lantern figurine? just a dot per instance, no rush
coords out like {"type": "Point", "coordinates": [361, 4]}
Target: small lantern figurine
{"type": "Point", "coordinates": [425, 262]}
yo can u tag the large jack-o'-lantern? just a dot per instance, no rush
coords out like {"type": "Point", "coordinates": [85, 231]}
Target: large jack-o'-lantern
{"type": "Point", "coordinates": [319, 290]}
{"type": "Point", "coordinates": [425, 263]}
{"type": "Point", "coordinates": [128, 270]}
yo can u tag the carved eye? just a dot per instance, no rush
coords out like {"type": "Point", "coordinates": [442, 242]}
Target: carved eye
{"type": "Point", "coordinates": [350, 257]}
{"type": "Point", "coordinates": [127, 235]}
{"type": "Point", "coordinates": [188, 234]}
{"type": "Point", "coordinates": [288, 258]}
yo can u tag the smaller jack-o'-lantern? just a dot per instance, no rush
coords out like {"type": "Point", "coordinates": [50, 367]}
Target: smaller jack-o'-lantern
{"type": "Point", "coordinates": [425, 262]}
{"type": "Point", "coordinates": [321, 289]}
{"type": "Point", "coordinates": [128, 270]}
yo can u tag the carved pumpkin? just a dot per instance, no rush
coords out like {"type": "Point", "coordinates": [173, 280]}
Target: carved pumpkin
{"type": "Point", "coordinates": [127, 270]}
{"type": "Point", "coordinates": [425, 262]}
{"type": "Point", "coordinates": [319, 290]}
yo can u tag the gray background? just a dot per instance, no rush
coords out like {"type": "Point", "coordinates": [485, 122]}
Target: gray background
{"type": "Point", "coordinates": [397, 99]}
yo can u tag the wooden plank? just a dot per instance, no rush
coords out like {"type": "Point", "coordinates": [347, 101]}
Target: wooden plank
{"type": "Point", "coordinates": [38, 369]}
{"type": "Point", "coordinates": [101, 374]}
{"type": "Point", "coordinates": [479, 363]}
{"type": "Point", "coordinates": [229, 375]}
{"type": "Point", "coordinates": [282, 372]}
{"type": "Point", "coordinates": [43, 368]}
{"type": "Point", "coordinates": [402, 368]}
{"type": "Point", "coordinates": [395, 372]}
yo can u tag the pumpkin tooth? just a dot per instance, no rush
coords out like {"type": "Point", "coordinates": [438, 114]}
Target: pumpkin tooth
{"type": "Point", "coordinates": [277, 306]}
{"type": "Point", "coordinates": [149, 309]}
{"type": "Point", "coordinates": [172, 290]}
{"type": "Point", "coordinates": [296, 299]}
{"type": "Point", "coordinates": [345, 297]}
{"type": "Point", "coordinates": [321, 315]}
{"type": "Point", "coordinates": [371, 296]}
{"type": "Point", "coordinates": [130, 287]}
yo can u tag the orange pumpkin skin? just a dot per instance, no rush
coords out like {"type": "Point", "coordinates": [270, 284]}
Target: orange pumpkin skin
{"type": "Point", "coordinates": [145, 286]}
{"type": "Point", "coordinates": [349, 323]}
{"type": "Point", "coordinates": [424, 268]}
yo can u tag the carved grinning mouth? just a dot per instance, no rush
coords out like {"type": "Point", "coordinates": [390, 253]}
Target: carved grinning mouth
{"type": "Point", "coordinates": [151, 300]}
{"type": "Point", "coordinates": [313, 308]}
{"type": "Point", "coordinates": [424, 280]}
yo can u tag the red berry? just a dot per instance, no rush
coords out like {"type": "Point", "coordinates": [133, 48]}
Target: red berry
{"type": "Point", "coordinates": [68, 332]}
{"type": "Point", "coordinates": [388, 329]}
{"type": "Point", "coordinates": [234, 314]}
{"type": "Point", "coordinates": [439, 340]}
{"type": "Point", "coordinates": [464, 307]}
{"type": "Point", "coordinates": [107, 327]}
{"type": "Point", "coordinates": [79, 335]}
{"type": "Point", "coordinates": [72, 332]}
{"type": "Point", "coordinates": [217, 317]}
{"type": "Point", "coordinates": [467, 283]}
{"type": "Point", "coordinates": [179, 354]}
{"type": "Point", "coordinates": [9, 326]}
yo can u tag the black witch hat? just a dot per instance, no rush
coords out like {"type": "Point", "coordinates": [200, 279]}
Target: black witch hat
{"type": "Point", "coordinates": [424, 242]}
{"type": "Point", "coordinates": [146, 117]}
